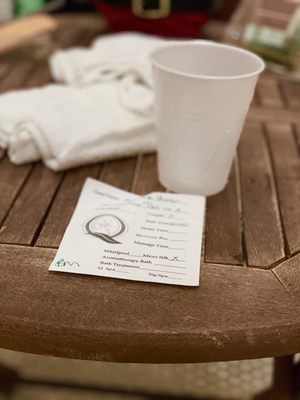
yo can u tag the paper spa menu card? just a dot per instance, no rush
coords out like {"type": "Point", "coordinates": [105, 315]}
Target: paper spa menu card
{"type": "Point", "coordinates": [153, 238]}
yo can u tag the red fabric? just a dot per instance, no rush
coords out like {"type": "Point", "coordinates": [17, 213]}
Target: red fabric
{"type": "Point", "coordinates": [187, 24]}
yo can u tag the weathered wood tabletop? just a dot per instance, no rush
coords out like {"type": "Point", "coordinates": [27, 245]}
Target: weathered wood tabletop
{"type": "Point", "coordinates": [248, 302]}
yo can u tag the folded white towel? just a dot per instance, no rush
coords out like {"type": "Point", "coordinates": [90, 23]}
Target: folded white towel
{"type": "Point", "coordinates": [104, 111]}
{"type": "Point", "coordinates": [110, 57]}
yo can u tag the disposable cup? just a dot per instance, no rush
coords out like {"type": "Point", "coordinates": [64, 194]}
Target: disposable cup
{"type": "Point", "coordinates": [202, 94]}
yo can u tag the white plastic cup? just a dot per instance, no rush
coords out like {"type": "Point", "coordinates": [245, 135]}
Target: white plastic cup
{"type": "Point", "coordinates": [202, 94]}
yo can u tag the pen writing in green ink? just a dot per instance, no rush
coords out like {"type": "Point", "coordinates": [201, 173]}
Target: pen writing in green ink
{"type": "Point", "coordinates": [64, 263]}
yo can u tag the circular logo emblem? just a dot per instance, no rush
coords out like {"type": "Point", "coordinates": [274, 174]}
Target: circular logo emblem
{"type": "Point", "coordinates": [105, 227]}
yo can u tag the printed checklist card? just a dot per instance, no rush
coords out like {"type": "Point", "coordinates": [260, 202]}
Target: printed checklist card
{"type": "Point", "coordinates": [117, 234]}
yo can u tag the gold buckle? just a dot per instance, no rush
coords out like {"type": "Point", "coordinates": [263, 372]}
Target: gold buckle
{"type": "Point", "coordinates": [162, 11]}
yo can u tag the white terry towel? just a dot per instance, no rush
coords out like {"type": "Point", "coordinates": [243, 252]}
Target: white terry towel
{"type": "Point", "coordinates": [103, 111]}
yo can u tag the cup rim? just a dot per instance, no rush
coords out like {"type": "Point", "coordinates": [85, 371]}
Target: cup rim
{"type": "Point", "coordinates": [200, 43]}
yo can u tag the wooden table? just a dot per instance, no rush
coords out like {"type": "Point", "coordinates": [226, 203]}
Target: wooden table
{"type": "Point", "coordinates": [248, 302]}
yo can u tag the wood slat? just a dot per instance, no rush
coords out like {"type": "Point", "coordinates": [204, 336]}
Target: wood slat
{"type": "Point", "coordinates": [291, 92]}
{"type": "Point", "coordinates": [4, 68]}
{"type": "Point", "coordinates": [297, 136]}
{"type": "Point", "coordinates": [262, 114]}
{"type": "Point", "coordinates": [39, 76]}
{"type": "Point", "coordinates": [12, 178]}
{"type": "Point", "coordinates": [89, 35]}
{"type": "Point", "coordinates": [289, 276]}
{"type": "Point", "coordinates": [87, 25]}
{"type": "Point", "coordinates": [146, 176]}
{"type": "Point", "coordinates": [286, 164]}
{"type": "Point", "coordinates": [65, 38]}
{"type": "Point", "coordinates": [262, 229]}
{"type": "Point", "coordinates": [16, 77]}
{"type": "Point", "coordinates": [86, 29]}
{"type": "Point", "coordinates": [119, 173]}
{"type": "Point", "coordinates": [269, 92]}
{"type": "Point", "coordinates": [29, 209]}
{"type": "Point", "coordinates": [236, 313]}
{"type": "Point", "coordinates": [63, 205]}
{"type": "Point", "coordinates": [222, 228]}
{"type": "Point", "coordinates": [256, 99]}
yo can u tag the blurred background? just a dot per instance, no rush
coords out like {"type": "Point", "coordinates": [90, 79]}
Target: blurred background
{"type": "Point", "coordinates": [269, 27]}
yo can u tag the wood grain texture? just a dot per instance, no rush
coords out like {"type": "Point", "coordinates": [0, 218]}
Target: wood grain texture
{"type": "Point", "coordinates": [291, 91]}
{"type": "Point", "coordinates": [119, 173]}
{"type": "Point", "coordinates": [262, 114]}
{"type": "Point", "coordinates": [286, 163]}
{"type": "Point", "coordinates": [16, 77]}
{"type": "Point", "coordinates": [222, 228]}
{"type": "Point", "coordinates": [39, 76]}
{"type": "Point", "coordinates": [263, 235]}
{"type": "Point", "coordinates": [65, 37]}
{"type": "Point", "coordinates": [29, 209]}
{"type": "Point", "coordinates": [12, 178]}
{"type": "Point", "coordinates": [297, 136]}
{"type": "Point", "coordinates": [63, 205]}
{"type": "Point", "coordinates": [85, 23]}
{"type": "Point", "coordinates": [269, 93]}
{"type": "Point", "coordinates": [146, 176]}
{"type": "Point", "coordinates": [236, 312]}
{"type": "Point", "coordinates": [74, 31]}
{"type": "Point", "coordinates": [114, 320]}
{"type": "Point", "coordinates": [256, 98]}
{"type": "Point", "coordinates": [4, 68]}
{"type": "Point", "coordinates": [289, 276]}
